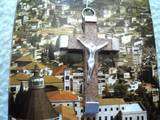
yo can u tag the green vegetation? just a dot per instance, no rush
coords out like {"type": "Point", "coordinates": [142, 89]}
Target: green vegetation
{"type": "Point", "coordinates": [71, 59]}
{"type": "Point", "coordinates": [120, 89]}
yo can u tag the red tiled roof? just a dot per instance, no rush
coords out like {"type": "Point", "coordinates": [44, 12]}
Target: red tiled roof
{"type": "Point", "coordinates": [68, 113]}
{"type": "Point", "coordinates": [17, 68]}
{"type": "Point", "coordinates": [62, 96]}
{"type": "Point", "coordinates": [15, 79]}
{"type": "Point", "coordinates": [52, 79]}
{"type": "Point", "coordinates": [59, 70]}
{"type": "Point", "coordinates": [22, 76]}
{"type": "Point", "coordinates": [111, 101]}
{"type": "Point", "coordinates": [148, 86]}
{"type": "Point", "coordinates": [31, 66]}
{"type": "Point", "coordinates": [27, 58]}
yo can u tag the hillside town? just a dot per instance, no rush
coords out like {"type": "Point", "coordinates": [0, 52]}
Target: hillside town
{"type": "Point", "coordinates": [47, 73]}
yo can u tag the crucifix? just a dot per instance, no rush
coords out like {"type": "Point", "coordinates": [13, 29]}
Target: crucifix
{"type": "Point", "coordinates": [91, 45]}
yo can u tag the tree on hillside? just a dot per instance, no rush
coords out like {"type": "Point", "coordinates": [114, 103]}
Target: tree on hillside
{"type": "Point", "coordinates": [141, 91]}
{"type": "Point", "coordinates": [120, 90]}
{"type": "Point", "coordinates": [106, 91]}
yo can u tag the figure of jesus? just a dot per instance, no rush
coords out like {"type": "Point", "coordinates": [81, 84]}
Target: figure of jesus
{"type": "Point", "coordinates": [92, 49]}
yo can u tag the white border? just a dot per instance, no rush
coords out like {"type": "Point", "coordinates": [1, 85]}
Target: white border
{"type": "Point", "coordinates": [7, 16]}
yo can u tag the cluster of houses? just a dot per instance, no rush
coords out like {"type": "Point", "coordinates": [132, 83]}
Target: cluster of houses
{"type": "Point", "coordinates": [64, 88]}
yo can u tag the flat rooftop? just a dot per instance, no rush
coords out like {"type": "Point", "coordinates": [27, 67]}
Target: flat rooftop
{"type": "Point", "coordinates": [111, 101]}
{"type": "Point", "coordinates": [132, 107]}
{"type": "Point", "coordinates": [120, 103]}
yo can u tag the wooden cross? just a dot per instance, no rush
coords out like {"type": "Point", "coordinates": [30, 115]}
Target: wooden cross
{"type": "Point", "coordinates": [91, 45]}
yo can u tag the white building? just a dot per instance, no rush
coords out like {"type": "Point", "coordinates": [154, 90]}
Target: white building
{"type": "Point", "coordinates": [102, 81]}
{"type": "Point", "coordinates": [134, 85]}
{"type": "Point", "coordinates": [109, 109]}
{"type": "Point", "coordinates": [44, 70]}
{"type": "Point", "coordinates": [123, 111]}
{"type": "Point", "coordinates": [117, 109]}
{"type": "Point", "coordinates": [37, 54]}
{"type": "Point", "coordinates": [63, 41]}
{"type": "Point", "coordinates": [137, 52]}
{"type": "Point", "coordinates": [65, 98]}
{"type": "Point", "coordinates": [126, 75]}
{"type": "Point", "coordinates": [67, 80]}
{"type": "Point", "coordinates": [17, 80]}
{"type": "Point", "coordinates": [111, 80]}
{"type": "Point", "coordinates": [75, 81]}
{"type": "Point", "coordinates": [78, 81]}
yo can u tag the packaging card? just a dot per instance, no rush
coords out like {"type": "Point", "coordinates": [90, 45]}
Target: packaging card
{"type": "Point", "coordinates": [62, 59]}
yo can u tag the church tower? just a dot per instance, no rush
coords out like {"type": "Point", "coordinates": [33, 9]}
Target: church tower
{"type": "Point", "coordinates": [37, 105]}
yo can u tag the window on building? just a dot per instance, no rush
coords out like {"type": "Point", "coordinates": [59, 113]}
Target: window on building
{"type": "Point", "coordinates": [122, 108]}
{"type": "Point", "coordinates": [130, 118]}
{"type": "Point", "coordinates": [54, 105]}
{"type": "Point", "coordinates": [67, 104]}
{"type": "Point", "coordinates": [117, 108]}
{"type": "Point", "coordinates": [67, 78]}
{"type": "Point", "coordinates": [103, 81]}
{"type": "Point", "coordinates": [126, 118]}
{"type": "Point", "coordinates": [105, 117]}
{"type": "Point", "coordinates": [81, 110]}
{"type": "Point", "coordinates": [74, 77]}
{"type": "Point", "coordinates": [142, 117]}
{"type": "Point", "coordinates": [137, 117]}
{"type": "Point", "coordinates": [111, 117]}
{"type": "Point", "coordinates": [99, 109]}
{"type": "Point", "coordinates": [57, 118]}
{"type": "Point", "coordinates": [67, 87]}
{"type": "Point", "coordinates": [105, 109]}
{"type": "Point", "coordinates": [100, 118]}
{"type": "Point", "coordinates": [75, 105]}
{"type": "Point", "coordinates": [13, 89]}
{"type": "Point", "coordinates": [111, 109]}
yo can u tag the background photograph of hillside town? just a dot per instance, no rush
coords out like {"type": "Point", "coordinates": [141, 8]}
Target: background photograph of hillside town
{"type": "Point", "coordinates": [47, 75]}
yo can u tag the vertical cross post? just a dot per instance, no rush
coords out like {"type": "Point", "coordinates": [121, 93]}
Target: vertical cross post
{"type": "Point", "coordinates": [92, 44]}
